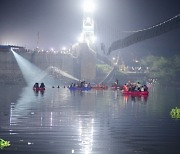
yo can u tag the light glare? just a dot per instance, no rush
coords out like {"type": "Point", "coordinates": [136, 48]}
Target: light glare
{"type": "Point", "coordinates": [89, 6]}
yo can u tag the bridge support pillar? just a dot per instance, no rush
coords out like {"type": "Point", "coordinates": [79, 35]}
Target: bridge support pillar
{"type": "Point", "coordinates": [88, 63]}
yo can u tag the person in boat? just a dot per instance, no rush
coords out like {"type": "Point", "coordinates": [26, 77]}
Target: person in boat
{"type": "Point", "coordinates": [103, 85]}
{"type": "Point", "coordinates": [139, 86]}
{"type": "Point", "coordinates": [116, 82]}
{"type": "Point", "coordinates": [145, 88]}
{"type": "Point", "coordinates": [142, 88]}
{"type": "Point", "coordinates": [36, 85]}
{"type": "Point", "coordinates": [133, 87]}
{"type": "Point", "coordinates": [72, 85]}
{"type": "Point", "coordinates": [42, 85]}
{"type": "Point", "coordinates": [125, 87]}
{"type": "Point", "coordinates": [81, 84]}
{"type": "Point", "coordinates": [89, 85]}
{"type": "Point", "coordinates": [85, 85]}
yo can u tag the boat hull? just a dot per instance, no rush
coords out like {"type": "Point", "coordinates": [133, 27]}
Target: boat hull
{"type": "Point", "coordinates": [100, 88]}
{"type": "Point", "coordinates": [80, 88]}
{"type": "Point", "coordinates": [39, 89]}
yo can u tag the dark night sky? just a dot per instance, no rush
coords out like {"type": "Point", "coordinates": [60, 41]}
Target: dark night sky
{"type": "Point", "coordinates": [59, 21]}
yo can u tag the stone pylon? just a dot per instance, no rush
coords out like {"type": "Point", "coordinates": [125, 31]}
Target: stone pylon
{"type": "Point", "coordinates": [87, 63]}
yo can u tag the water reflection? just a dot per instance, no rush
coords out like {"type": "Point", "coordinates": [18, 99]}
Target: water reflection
{"type": "Point", "coordinates": [37, 92]}
{"type": "Point", "coordinates": [23, 105]}
{"type": "Point", "coordinates": [128, 98]}
{"type": "Point", "coordinates": [84, 122]}
{"type": "Point", "coordinates": [86, 130]}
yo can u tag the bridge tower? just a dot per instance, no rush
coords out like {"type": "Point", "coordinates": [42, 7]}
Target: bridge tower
{"type": "Point", "coordinates": [87, 51]}
{"type": "Point", "coordinates": [87, 35]}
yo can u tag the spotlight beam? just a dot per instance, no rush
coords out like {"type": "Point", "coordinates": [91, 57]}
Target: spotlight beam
{"type": "Point", "coordinates": [31, 73]}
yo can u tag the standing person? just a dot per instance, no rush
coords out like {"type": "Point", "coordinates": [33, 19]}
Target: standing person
{"type": "Point", "coordinates": [117, 82]}
{"type": "Point", "coordinates": [139, 86]}
{"type": "Point", "coordinates": [145, 88]}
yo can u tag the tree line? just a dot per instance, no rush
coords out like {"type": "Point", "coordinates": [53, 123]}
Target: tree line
{"type": "Point", "coordinates": [165, 69]}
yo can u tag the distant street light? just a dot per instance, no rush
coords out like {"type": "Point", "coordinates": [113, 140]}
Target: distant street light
{"type": "Point", "coordinates": [63, 48]}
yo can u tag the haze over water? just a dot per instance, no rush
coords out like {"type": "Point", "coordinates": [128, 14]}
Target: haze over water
{"type": "Point", "coordinates": [89, 122]}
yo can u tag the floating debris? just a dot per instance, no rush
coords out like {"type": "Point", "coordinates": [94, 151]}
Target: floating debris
{"type": "Point", "coordinates": [4, 143]}
{"type": "Point", "coordinates": [175, 113]}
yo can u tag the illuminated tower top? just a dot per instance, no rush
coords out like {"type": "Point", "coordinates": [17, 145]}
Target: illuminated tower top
{"type": "Point", "coordinates": [87, 34]}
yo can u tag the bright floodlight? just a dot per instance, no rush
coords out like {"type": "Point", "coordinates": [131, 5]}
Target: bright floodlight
{"type": "Point", "coordinates": [89, 6]}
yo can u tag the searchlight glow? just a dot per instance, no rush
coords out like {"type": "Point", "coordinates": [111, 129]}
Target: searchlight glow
{"type": "Point", "coordinates": [89, 6]}
{"type": "Point", "coordinates": [31, 73]}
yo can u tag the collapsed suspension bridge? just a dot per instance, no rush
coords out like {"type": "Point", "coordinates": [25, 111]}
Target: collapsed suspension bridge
{"type": "Point", "coordinates": [141, 35]}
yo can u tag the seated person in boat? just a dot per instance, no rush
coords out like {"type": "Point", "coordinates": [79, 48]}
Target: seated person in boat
{"type": "Point", "coordinates": [103, 85]}
{"type": "Point", "coordinates": [142, 88]}
{"type": "Point", "coordinates": [145, 88]}
{"type": "Point", "coordinates": [133, 87]}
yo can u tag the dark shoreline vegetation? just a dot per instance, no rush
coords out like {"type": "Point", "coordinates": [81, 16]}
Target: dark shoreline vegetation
{"type": "Point", "coordinates": [166, 70]}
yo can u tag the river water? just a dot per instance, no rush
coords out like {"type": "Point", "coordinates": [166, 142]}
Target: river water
{"type": "Point", "coordinates": [90, 122]}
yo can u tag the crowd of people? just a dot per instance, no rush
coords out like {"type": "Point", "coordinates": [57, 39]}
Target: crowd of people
{"type": "Point", "coordinates": [129, 86]}
{"type": "Point", "coordinates": [134, 87]}
{"type": "Point", "coordinates": [80, 84]}
{"type": "Point", "coordinates": [83, 84]}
